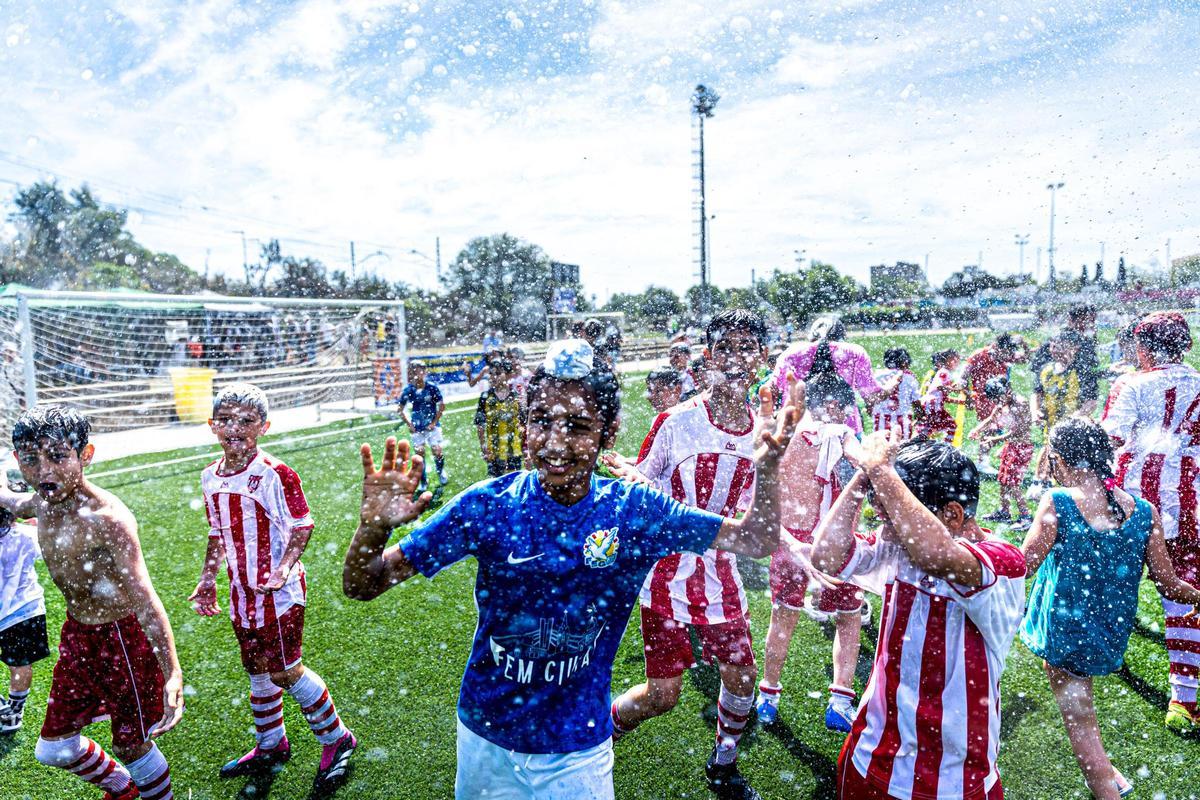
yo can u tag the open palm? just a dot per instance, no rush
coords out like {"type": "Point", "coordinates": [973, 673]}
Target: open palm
{"type": "Point", "coordinates": [387, 498]}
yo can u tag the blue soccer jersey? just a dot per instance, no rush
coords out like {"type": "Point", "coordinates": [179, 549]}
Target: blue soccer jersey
{"type": "Point", "coordinates": [554, 589]}
{"type": "Point", "coordinates": [424, 404]}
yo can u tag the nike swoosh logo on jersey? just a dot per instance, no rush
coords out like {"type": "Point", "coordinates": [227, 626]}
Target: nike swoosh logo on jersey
{"type": "Point", "coordinates": [514, 560]}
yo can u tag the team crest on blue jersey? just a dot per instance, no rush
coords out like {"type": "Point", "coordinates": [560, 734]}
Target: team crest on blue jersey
{"type": "Point", "coordinates": [600, 548]}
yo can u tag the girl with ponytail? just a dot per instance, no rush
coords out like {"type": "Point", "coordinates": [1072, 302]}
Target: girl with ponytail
{"type": "Point", "coordinates": [1088, 544]}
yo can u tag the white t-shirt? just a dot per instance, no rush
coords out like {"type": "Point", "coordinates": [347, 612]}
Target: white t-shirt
{"type": "Point", "coordinates": [21, 595]}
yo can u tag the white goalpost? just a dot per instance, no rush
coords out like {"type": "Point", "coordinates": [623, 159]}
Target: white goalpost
{"type": "Point", "coordinates": [134, 360]}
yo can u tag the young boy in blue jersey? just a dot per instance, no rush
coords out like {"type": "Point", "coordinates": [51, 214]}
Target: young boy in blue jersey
{"type": "Point", "coordinates": [562, 554]}
{"type": "Point", "coordinates": [425, 422]}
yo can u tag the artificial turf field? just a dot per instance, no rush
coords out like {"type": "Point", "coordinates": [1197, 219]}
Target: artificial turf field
{"type": "Point", "coordinates": [393, 665]}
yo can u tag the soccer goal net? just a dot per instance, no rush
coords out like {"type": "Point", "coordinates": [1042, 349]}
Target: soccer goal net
{"type": "Point", "coordinates": [134, 360]}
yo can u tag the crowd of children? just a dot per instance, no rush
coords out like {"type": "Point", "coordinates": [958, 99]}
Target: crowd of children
{"type": "Point", "coordinates": [752, 464]}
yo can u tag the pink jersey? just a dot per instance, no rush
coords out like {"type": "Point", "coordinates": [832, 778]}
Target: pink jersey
{"type": "Point", "coordinates": [850, 361]}
{"type": "Point", "coordinates": [688, 457]}
{"type": "Point", "coordinates": [895, 410]}
{"type": "Point", "coordinates": [938, 390]}
{"type": "Point", "coordinates": [1156, 416]}
{"type": "Point", "coordinates": [928, 726]}
{"type": "Point", "coordinates": [255, 512]}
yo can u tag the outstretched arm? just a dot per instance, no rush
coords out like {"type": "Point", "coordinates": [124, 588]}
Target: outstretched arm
{"type": "Point", "coordinates": [834, 537]}
{"type": "Point", "coordinates": [371, 568]}
{"type": "Point", "coordinates": [21, 505]}
{"type": "Point", "coordinates": [924, 536]}
{"type": "Point", "coordinates": [129, 572]}
{"type": "Point", "coordinates": [1042, 534]}
{"type": "Point", "coordinates": [756, 534]}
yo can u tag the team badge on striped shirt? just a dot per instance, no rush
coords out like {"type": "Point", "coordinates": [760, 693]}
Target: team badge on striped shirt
{"type": "Point", "coordinates": [600, 548]}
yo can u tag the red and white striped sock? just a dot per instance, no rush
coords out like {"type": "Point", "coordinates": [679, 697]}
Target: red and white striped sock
{"type": "Point", "coordinates": [770, 692]}
{"type": "Point", "coordinates": [86, 760]}
{"type": "Point", "coordinates": [318, 708]}
{"type": "Point", "coordinates": [841, 696]}
{"type": "Point", "coordinates": [152, 775]}
{"type": "Point", "coordinates": [266, 701]}
{"type": "Point", "coordinates": [1183, 650]}
{"type": "Point", "coordinates": [733, 712]}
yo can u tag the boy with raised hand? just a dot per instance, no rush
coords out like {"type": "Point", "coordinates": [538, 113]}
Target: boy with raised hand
{"type": "Point", "coordinates": [562, 554]}
{"type": "Point", "coordinates": [259, 525]}
{"type": "Point", "coordinates": [425, 422]}
{"type": "Point", "coordinates": [116, 652]}
{"type": "Point", "coordinates": [701, 453]}
{"type": "Point", "coordinates": [953, 598]}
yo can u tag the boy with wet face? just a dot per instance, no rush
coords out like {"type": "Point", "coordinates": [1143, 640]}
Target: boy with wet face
{"type": "Point", "coordinates": [117, 651]}
{"type": "Point", "coordinates": [561, 555]}
{"type": "Point", "coordinates": [259, 526]}
{"type": "Point", "coordinates": [953, 597]}
{"type": "Point", "coordinates": [702, 454]}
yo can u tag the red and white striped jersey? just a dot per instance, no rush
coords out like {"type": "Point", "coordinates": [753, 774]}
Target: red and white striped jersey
{"type": "Point", "coordinates": [938, 390]}
{"type": "Point", "coordinates": [895, 410]}
{"type": "Point", "coordinates": [928, 726]}
{"type": "Point", "coordinates": [1156, 416]}
{"type": "Point", "coordinates": [688, 457]}
{"type": "Point", "coordinates": [255, 512]}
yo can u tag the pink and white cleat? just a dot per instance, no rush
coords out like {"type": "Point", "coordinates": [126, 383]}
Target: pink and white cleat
{"type": "Point", "coordinates": [259, 762]}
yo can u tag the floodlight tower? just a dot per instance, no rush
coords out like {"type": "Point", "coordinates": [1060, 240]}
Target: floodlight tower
{"type": "Point", "coordinates": [704, 102]}
{"type": "Point", "coordinates": [1021, 240]}
{"type": "Point", "coordinates": [1053, 187]}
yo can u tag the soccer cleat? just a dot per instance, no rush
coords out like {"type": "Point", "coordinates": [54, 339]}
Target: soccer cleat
{"type": "Point", "coordinates": [10, 719]}
{"type": "Point", "coordinates": [767, 711]}
{"type": "Point", "coordinates": [130, 793]}
{"type": "Point", "coordinates": [726, 782]}
{"type": "Point", "coordinates": [1181, 721]}
{"type": "Point", "coordinates": [839, 718]}
{"type": "Point", "coordinates": [864, 611]}
{"type": "Point", "coordinates": [335, 764]}
{"type": "Point", "coordinates": [997, 516]}
{"type": "Point", "coordinates": [259, 762]}
{"type": "Point", "coordinates": [443, 478]}
{"type": "Point", "coordinates": [812, 612]}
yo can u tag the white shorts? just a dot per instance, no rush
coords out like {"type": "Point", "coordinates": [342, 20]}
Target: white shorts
{"type": "Point", "coordinates": [487, 770]}
{"type": "Point", "coordinates": [431, 437]}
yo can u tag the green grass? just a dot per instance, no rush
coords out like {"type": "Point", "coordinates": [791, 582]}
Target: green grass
{"type": "Point", "coordinates": [394, 666]}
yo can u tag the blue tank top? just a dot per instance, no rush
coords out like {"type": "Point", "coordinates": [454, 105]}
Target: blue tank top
{"type": "Point", "coordinates": [1084, 599]}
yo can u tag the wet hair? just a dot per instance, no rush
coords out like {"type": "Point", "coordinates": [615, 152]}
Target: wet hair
{"type": "Point", "coordinates": [1067, 337]}
{"type": "Point", "coordinates": [1006, 342]}
{"type": "Point", "coordinates": [592, 329]}
{"type": "Point", "coordinates": [54, 422]}
{"type": "Point", "coordinates": [680, 347]}
{"type": "Point", "coordinates": [736, 319]}
{"type": "Point", "coordinates": [1166, 334]}
{"type": "Point", "coordinates": [242, 394]}
{"type": "Point", "coordinates": [1127, 335]}
{"type": "Point", "coordinates": [1083, 444]}
{"type": "Point", "coordinates": [827, 388]}
{"type": "Point", "coordinates": [827, 326]}
{"type": "Point", "coordinates": [996, 387]}
{"type": "Point", "coordinates": [504, 365]}
{"type": "Point", "coordinates": [1078, 313]}
{"type": "Point", "coordinates": [663, 377]}
{"type": "Point", "coordinates": [937, 475]}
{"type": "Point", "coordinates": [822, 363]}
{"type": "Point", "coordinates": [600, 383]}
{"type": "Point", "coordinates": [417, 363]}
{"type": "Point", "coordinates": [942, 357]}
{"type": "Point", "coordinates": [897, 358]}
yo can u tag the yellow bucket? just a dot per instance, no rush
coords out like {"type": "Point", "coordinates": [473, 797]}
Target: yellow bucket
{"type": "Point", "coordinates": [193, 389]}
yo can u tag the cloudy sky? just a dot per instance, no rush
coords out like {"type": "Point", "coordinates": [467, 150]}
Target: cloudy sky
{"type": "Point", "coordinates": [856, 132]}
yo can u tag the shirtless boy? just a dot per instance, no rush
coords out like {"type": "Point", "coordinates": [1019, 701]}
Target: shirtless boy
{"type": "Point", "coordinates": [116, 652]}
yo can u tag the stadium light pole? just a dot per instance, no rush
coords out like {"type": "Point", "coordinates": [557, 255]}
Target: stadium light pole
{"type": "Point", "coordinates": [704, 102]}
{"type": "Point", "coordinates": [1053, 187]}
{"type": "Point", "coordinates": [245, 257]}
{"type": "Point", "coordinates": [1021, 240]}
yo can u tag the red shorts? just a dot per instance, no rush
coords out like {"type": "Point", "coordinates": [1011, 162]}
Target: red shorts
{"type": "Point", "coordinates": [1014, 460]}
{"type": "Point", "coordinates": [789, 582]}
{"type": "Point", "coordinates": [937, 422]}
{"type": "Point", "coordinates": [853, 786]}
{"type": "Point", "coordinates": [669, 648]}
{"type": "Point", "coordinates": [106, 670]}
{"type": "Point", "coordinates": [983, 405]}
{"type": "Point", "coordinates": [274, 647]}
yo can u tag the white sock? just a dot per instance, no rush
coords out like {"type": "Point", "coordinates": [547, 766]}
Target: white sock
{"type": "Point", "coordinates": [84, 759]}
{"type": "Point", "coordinates": [318, 708]}
{"type": "Point", "coordinates": [152, 775]}
{"type": "Point", "coordinates": [841, 697]}
{"type": "Point", "coordinates": [770, 693]}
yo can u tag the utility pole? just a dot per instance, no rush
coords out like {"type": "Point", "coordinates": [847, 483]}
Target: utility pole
{"type": "Point", "coordinates": [437, 244]}
{"type": "Point", "coordinates": [1021, 240]}
{"type": "Point", "coordinates": [207, 254]}
{"type": "Point", "coordinates": [245, 258]}
{"type": "Point", "coordinates": [1170, 264]}
{"type": "Point", "coordinates": [1038, 270]}
{"type": "Point", "coordinates": [704, 101]}
{"type": "Point", "coordinates": [353, 263]}
{"type": "Point", "coordinates": [1053, 187]}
